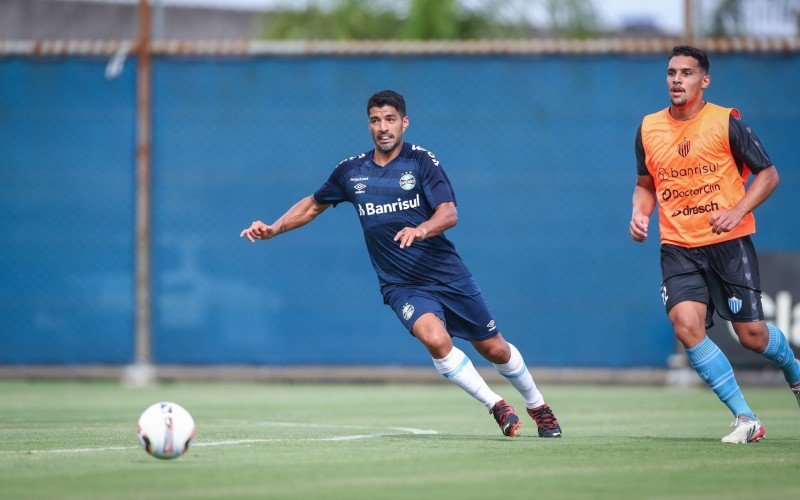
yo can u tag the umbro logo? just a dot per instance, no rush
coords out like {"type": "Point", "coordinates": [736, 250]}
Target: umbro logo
{"type": "Point", "coordinates": [359, 186]}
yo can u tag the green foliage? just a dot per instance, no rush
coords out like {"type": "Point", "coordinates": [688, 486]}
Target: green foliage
{"type": "Point", "coordinates": [726, 18]}
{"type": "Point", "coordinates": [572, 18]}
{"type": "Point", "coordinates": [348, 20]}
{"type": "Point", "coordinates": [432, 20]}
{"type": "Point", "coordinates": [428, 20]}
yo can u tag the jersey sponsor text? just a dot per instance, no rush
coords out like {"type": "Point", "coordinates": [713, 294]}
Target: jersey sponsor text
{"type": "Point", "coordinates": [377, 209]}
{"type": "Point", "coordinates": [700, 209]}
{"type": "Point", "coordinates": [668, 194]}
{"type": "Point", "coordinates": [691, 171]}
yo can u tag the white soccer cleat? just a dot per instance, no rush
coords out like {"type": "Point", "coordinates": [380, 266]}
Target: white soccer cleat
{"type": "Point", "coordinates": [796, 392]}
{"type": "Point", "coordinates": [745, 430]}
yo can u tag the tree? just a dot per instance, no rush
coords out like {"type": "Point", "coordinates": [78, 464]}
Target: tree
{"type": "Point", "coordinates": [428, 20]}
{"type": "Point", "coordinates": [572, 18]}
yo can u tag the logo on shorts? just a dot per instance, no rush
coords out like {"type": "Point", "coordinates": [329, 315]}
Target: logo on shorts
{"type": "Point", "coordinates": [734, 304]}
{"type": "Point", "coordinates": [408, 311]}
{"type": "Point", "coordinates": [684, 147]}
{"type": "Point", "coordinates": [491, 326]}
{"type": "Point", "coordinates": [664, 296]}
{"type": "Point", "coordinates": [407, 181]}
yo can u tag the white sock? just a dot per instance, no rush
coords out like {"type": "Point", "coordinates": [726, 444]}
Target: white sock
{"type": "Point", "coordinates": [517, 373]}
{"type": "Point", "coordinates": [457, 368]}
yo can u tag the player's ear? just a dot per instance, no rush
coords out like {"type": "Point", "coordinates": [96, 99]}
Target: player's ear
{"type": "Point", "coordinates": [706, 81]}
{"type": "Point", "coordinates": [405, 123]}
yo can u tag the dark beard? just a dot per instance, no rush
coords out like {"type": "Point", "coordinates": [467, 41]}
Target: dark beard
{"type": "Point", "coordinates": [387, 149]}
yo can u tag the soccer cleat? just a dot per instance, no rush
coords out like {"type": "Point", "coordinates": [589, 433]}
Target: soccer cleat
{"type": "Point", "coordinates": [506, 418]}
{"type": "Point", "coordinates": [796, 391]}
{"type": "Point", "coordinates": [545, 421]}
{"type": "Point", "coordinates": [745, 430]}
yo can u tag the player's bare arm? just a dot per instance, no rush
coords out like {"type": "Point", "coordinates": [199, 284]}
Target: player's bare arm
{"type": "Point", "coordinates": [762, 187]}
{"type": "Point", "coordinates": [444, 217]}
{"type": "Point", "coordinates": [644, 202]}
{"type": "Point", "coordinates": [303, 212]}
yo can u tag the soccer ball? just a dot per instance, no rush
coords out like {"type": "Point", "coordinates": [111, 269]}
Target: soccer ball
{"type": "Point", "coordinates": [165, 430]}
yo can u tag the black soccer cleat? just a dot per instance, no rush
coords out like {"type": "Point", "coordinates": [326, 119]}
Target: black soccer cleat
{"type": "Point", "coordinates": [506, 418]}
{"type": "Point", "coordinates": [545, 421]}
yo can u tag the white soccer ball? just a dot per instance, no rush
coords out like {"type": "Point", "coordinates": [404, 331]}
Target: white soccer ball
{"type": "Point", "coordinates": [165, 430]}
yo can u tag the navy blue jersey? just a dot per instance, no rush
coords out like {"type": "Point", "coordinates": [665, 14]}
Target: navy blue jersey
{"type": "Point", "coordinates": [403, 193]}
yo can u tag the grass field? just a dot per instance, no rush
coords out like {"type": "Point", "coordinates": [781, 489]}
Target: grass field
{"type": "Point", "coordinates": [77, 440]}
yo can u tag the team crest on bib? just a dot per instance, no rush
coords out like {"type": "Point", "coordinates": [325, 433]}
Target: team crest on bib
{"type": "Point", "coordinates": [407, 181]}
{"type": "Point", "coordinates": [408, 311]}
{"type": "Point", "coordinates": [734, 304]}
{"type": "Point", "coordinates": [684, 147]}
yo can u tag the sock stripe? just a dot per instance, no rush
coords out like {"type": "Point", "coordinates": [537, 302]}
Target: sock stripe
{"type": "Point", "coordinates": [458, 369]}
{"type": "Point", "coordinates": [780, 353]}
{"type": "Point", "coordinates": [707, 358]}
{"type": "Point", "coordinates": [721, 380]}
{"type": "Point", "coordinates": [516, 374]}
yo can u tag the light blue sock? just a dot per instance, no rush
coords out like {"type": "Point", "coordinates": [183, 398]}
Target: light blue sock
{"type": "Point", "coordinates": [781, 355]}
{"type": "Point", "coordinates": [716, 371]}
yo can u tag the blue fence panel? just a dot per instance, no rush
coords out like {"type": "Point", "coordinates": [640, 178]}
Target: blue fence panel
{"type": "Point", "coordinates": [539, 149]}
{"type": "Point", "coordinates": [67, 159]}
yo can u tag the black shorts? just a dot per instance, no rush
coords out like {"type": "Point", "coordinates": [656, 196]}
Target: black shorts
{"type": "Point", "coordinates": [724, 276]}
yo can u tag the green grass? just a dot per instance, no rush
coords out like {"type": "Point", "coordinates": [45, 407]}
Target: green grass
{"type": "Point", "coordinates": [619, 442]}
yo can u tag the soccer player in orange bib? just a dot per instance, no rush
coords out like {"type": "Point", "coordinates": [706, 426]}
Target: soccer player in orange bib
{"type": "Point", "coordinates": [694, 159]}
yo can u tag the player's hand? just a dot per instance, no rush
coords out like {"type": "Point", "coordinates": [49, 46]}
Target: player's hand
{"type": "Point", "coordinates": [258, 231]}
{"type": "Point", "coordinates": [409, 235]}
{"type": "Point", "coordinates": [725, 220]}
{"type": "Point", "coordinates": [638, 227]}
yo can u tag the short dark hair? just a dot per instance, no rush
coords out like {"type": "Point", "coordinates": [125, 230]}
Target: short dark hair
{"type": "Point", "coordinates": [387, 98]}
{"type": "Point", "coordinates": [688, 50]}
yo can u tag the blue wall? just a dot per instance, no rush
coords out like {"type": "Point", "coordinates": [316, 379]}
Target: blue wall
{"type": "Point", "coordinates": [539, 149]}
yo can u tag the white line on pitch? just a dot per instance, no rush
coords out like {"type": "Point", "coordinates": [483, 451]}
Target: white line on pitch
{"type": "Point", "coordinates": [201, 444]}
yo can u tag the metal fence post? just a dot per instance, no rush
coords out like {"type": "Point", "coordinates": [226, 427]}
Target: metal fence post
{"type": "Point", "coordinates": [142, 371]}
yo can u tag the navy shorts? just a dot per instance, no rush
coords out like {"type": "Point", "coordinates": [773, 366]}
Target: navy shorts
{"type": "Point", "coordinates": [724, 276]}
{"type": "Point", "coordinates": [459, 304]}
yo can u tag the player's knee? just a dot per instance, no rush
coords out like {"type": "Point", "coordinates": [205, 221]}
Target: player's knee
{"type": "Point", "coordinates": [495, 350]}
{"type": "Point", "coordinates": [436, 340]}
{"type": "Point", "coordinates": [439, 348]}
{"type": "Point", "coordinates": [687, 329]}
{"type": "Point", "coordinates": [752, 336]}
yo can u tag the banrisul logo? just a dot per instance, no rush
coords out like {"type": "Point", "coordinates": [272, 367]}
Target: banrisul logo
{"type": "Point", "coordinates": [387, 208]}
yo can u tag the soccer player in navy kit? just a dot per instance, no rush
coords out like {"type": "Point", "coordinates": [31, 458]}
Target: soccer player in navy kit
{"type": "Point", "coordinates": [405, 204]}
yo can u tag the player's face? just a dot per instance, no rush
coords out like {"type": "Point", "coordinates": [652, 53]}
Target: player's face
{"type": "Point", "coordinates": [686, 80]}
{"type": "Point", "coordinates": [387, 127]}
